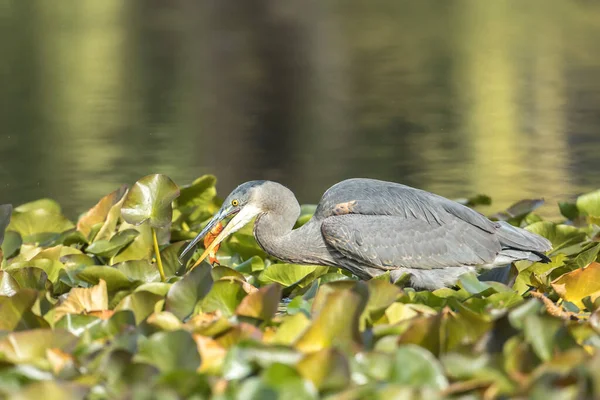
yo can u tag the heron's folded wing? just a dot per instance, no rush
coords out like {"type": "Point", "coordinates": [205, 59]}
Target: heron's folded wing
{"type": "Point", "coordinates": [389, 242]}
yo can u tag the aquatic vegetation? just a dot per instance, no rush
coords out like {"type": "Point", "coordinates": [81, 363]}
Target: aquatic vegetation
{"type": "Point", "coordinates": [101, 308]}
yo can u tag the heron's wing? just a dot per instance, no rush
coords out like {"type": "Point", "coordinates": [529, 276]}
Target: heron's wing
{"type": "Point", "coordinates": [390, 242]}
{"type": "Point", "coordinates": [373, 197]}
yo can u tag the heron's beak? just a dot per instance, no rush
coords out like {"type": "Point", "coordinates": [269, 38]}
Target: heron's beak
{"type": "Point", "coordinates": [241, 218]}
{"type": "Point", "coordinates": [221, 215]}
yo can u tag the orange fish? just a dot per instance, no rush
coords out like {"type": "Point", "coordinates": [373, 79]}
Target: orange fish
{"type": "Point", "coordinates": [208, 239]}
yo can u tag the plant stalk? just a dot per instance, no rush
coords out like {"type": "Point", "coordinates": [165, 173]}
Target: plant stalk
{"type": "Point", "coordinates": [161, 271]}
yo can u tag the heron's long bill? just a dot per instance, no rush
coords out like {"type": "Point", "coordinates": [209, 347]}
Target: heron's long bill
{"type": "Point", "coordinates": [236, 223]}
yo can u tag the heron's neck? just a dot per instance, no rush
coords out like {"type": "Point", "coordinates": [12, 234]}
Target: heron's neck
{"type": "Point", "coordinates": [274, 232]}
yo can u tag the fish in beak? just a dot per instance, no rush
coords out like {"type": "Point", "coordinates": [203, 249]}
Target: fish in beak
{"type": "Point", "coordinates": [242, 215]}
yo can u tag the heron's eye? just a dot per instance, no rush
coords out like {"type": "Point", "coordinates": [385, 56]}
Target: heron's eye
{"type": "Point", "coordinates": [235, 203]}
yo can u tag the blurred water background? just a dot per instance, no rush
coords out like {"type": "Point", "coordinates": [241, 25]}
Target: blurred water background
{"type": "Point", "coordinates": [456, 97]}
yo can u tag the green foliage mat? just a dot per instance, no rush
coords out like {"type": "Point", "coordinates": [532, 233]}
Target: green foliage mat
{"type": "Point", "coordinates": [102, 309]}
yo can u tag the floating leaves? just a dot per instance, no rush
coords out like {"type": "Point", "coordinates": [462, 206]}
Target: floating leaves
{"type": "Point", "coordinates": [150, 200]}
{"type": "Point", "coordinates": [84, 301]}
{"type": "Point", "coordinates": [579, 284]}
{"type": "Point", "coordinates": [86, 312]}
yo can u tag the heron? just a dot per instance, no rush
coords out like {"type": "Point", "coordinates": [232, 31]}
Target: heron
{"type": "Point", "coordinates": [370, 227]}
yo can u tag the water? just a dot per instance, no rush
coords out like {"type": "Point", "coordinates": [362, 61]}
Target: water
{"type": "Point", "coordinates": [459, 97]}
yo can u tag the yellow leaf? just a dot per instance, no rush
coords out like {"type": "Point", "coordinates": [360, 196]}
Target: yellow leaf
{"type": "Point", "coordinates": [211, 353]}
{"type": "Point", "coordinates": [262, 304]}
{"type": "Point", "coordinates": [578, 284]}
{"type": "Point", "coordinates": [84, 300]}
{"type": "Point", "coordinates": [58, 359]}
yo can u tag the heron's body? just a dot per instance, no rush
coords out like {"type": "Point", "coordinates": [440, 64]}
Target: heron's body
{"type": "Point", "coordinates": [369, 227]}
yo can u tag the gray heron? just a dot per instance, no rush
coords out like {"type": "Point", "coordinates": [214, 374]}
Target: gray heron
{"type": "Point", "coordinates": [368, 227]}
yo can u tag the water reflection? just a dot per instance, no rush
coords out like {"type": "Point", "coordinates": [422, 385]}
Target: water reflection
{"type": "Point", "coordinates": [458, 98]}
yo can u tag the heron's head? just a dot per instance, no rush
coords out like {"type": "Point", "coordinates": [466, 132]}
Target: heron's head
{"type": "Point", "coordinates": [244, 203]}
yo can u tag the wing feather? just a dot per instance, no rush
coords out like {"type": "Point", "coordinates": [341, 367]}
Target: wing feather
{"type": "Point", "coordinates": [390, 242]}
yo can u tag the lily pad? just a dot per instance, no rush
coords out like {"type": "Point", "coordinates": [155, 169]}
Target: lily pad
{"type": "Point", "coordinates": [16, 311]}
{"type": "Point", "coordinates": [170, 259]}
{"type": "Point", "coordinates": [578, 284]}
{"type": "Point", "coordinates": [415, 366]}
{"type": "Point", "coordinates": [150, 200]}
{"type": "Point", "coordinates": [560, 235]}
{"type": "Point", "coordinates": [141, 303]}
{"type": "Point", "coordinates": [99, 213]}
{"type": "Point", "coordinates": [224, 296]}
{"type": "Point", "coordinates": [30, 277]}
{"type": "Point", "coordinates": [31, 346]}
{"type": "Point", "coordinates": [184, 294]}
{"type": "Point", "coordinates": [261, 304]}
{"type": "Point", "coordinates": [5, 213]}
{"type": "Point", "coordinates": [113, 278]}
{"type": "Point", "coordinates": [589, 203]}
{"type": "Point", "coordinates": [337, 320]}
{"type": "Point", "coordinates": [11, 244]}
{"type": "Point", "coordinates": [139, 249]}
{"type": "Point", "coordinates": [287, 274]}
{"type": "Point", "coordinates": [81, 300]}
{"type": "Point", "coordinates": [38, 225]}
{"type": "Point", "coordinates": [169, 351]}
{"type": "Point", "coordinates": [139, 271]}
{"type": "Point", "coordinates": [327, 369]}
{"type": "Point", "coordinates": [109, 248]}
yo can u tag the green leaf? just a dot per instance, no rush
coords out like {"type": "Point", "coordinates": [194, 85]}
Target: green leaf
{"type": "Point", "coordinates": [261, 304]}
{"type": "Point", "coordinates": [11, 244]}
{"type": "Point", "coordinates": [381, 295]}
{"type": "Point", "coordinates": [5, 213]}
{"type": "Point", "coordinates": [169, 351]}
{"type": "Point", "coordinates": [221, 271]}
{"type": "Point", "coordinates": [589, 203]}
{"type": "Point", "coordinates": [586, 257]}
{"type": "Point", "coordinates": [287, 274]}
{"type": "Point", "coordinates": [471, 284]}
{"type": "Point", "coordinates": [560, 235]}
{"type": "Point", "coordinates": [51, 390]}
{"type": "Point", "coordinates": [327, 369]}
{"type": "Point", "coordinates": [38, 225]}
{"type": "Point", "coordinates": [99, 213]}
{"type": "Point", "coordinates": [115, 279]}
{"type": "Point", "coordinates": [200, 193]}
{"type": "Point", "coordinates": [415, 366]}
{"type": "Point", "coordinates": [150, 200]}
{"type": "Point", "coordinates": [287, 383]}
{"type": "Point", "coordinates": [540, 333]}
{"type": "Point", "coordinates": [184, 294]}
{"type": "Point", "coordinates": [30, 346]}
{"type": "Point", "coordinates": [568, 210]}
{"type": "Point", "coordinates": [291, 328]}
{"type": "Point", "coordinates": [170, 259]}
{"type": "Point", "coordinates": [224, 296]}
{"type": "Point", "coordinates": [16, 311]}
{"type": "Point", "coordinates": [140, 248]}
{"type": "Point", "coordinates": [140, 303]}
{"type": "Point", "coordinates": [42, 204]}
{"type": "Point", "coordinates": [158, 288]}
{"type": "Point", "coordinates": [109, 248]}
{"type": "Point", "coordinates": [139, 271]}
{"type": "Point", "coordinates": [337, 320]}
{"type": "Point", "coordinates": [253, 264]}
{"type": "Point", "coordinates": [31, 277]}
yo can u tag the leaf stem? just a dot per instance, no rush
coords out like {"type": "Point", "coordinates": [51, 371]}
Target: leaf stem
{"type": "Point", "coordinates": [161, 271]}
